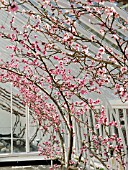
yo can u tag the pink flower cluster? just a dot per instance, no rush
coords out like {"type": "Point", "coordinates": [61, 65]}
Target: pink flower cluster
{"type": "Point", "coordinates": [13, 7]}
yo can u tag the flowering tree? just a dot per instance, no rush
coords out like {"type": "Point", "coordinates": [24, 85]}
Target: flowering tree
{"type": "Point", "coordinates": [58, 66]}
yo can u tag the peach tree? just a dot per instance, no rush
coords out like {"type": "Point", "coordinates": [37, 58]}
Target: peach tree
{"type": "Point", "coordinates": [62, 55]}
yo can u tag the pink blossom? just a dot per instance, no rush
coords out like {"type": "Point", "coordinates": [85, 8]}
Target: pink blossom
{"type": "Point", "coordinates": [112, 0]}
{"type": "Point", "coordinates": [101, 50]}
{"type": "Point", "coordinates": [92, 37]}
{"type": "Point", "coordinates": [102, 31]}
{"type": "Point", "coordinates": [97, 101]}
{"type": "Point", "coordinates": [97, 0]}
{"type": "Point", "coordinates": [13, 7]}
{"type": "Point", "coordinates": [13, 37]}
{"type": "Point", "coordinates": [2, 27]}
{"type": "Point", "coordinates": [113, 123]}
{"type": "Point", "coordinates": [56, 57]}
{"type": "Point", "coordinates": [123, 69]}
{"type": "Point", "coordinates": [97, 126]}
{"type": "Point", "coordinates": [83, 91]}
{"type": "Point", "coordinates": [117, 86]}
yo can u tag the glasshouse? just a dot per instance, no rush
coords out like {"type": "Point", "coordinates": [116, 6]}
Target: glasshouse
{"type": "Point", "coordinates": [64, 83]}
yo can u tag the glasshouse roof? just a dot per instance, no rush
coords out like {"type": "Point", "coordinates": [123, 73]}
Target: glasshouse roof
{"type": "Point", "coordinates": [84, 26]}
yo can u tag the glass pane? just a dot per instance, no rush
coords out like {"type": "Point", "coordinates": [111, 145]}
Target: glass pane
{"type": "Point", "coordinates": [19, 133]}
{"type": "Point", "coordinates": [5, 132]}
{"type": "Point", "coordinates": [34, 133]}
